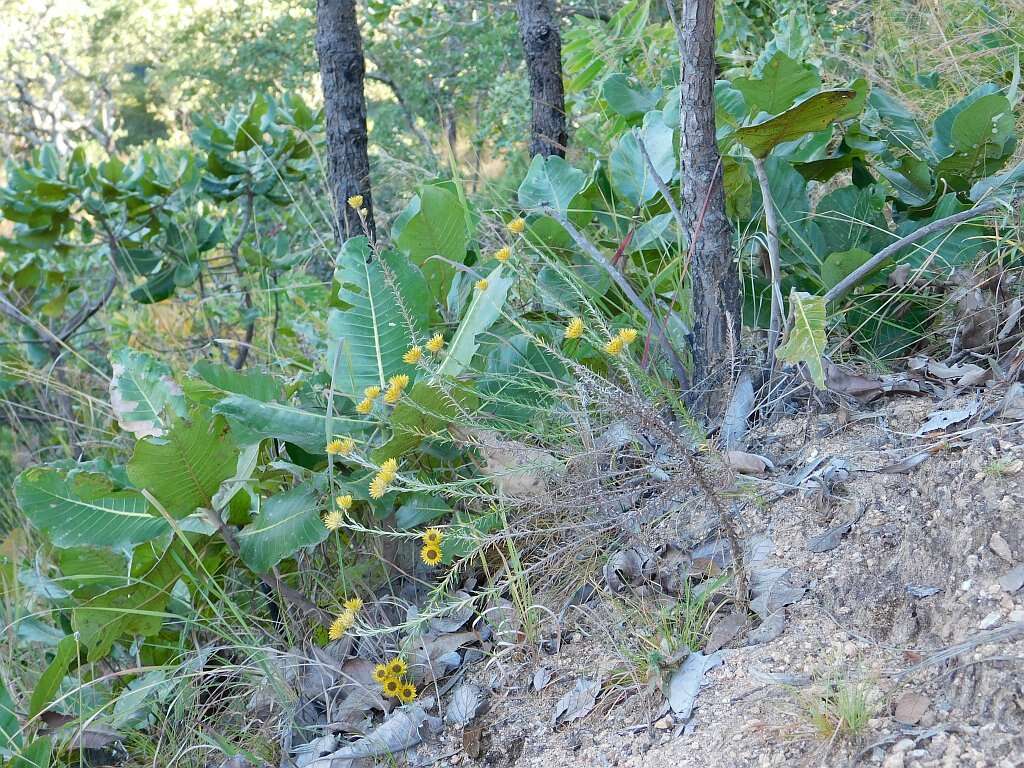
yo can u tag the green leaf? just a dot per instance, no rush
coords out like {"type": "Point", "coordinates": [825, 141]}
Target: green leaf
{"type": "Point", "coordinates": [942, 128]}
{"type": "Point", "coordinates": [184, 469]}
{"type": "Point", "coordinates": [806, 339]}
{"type": "Point", "coordinates": [143, 393]}
{"type": "Point", "coordinates": [422, 413]}
{"type": "Point", "coordinates": [369, 337]}
{"type": "Point", "coordinates": [80, 509]}
{"type": "Point", "coordinates": [286, 523]}
{"type": "Point", "coordinates": [629, 171]}
{"type": "Point", "coordinates": [419, 509]}
{"type": "Point", "coordinates": [850, 217]}
{"type": "Point", "coordinates": [983, 188]}
{"type": "Point", "coordinates": [839, 265]}
{"type": "Point", "coordinates": [813, 114]}
{"type": "Point", "coordinates": [213, 381]}
{"type": "Point", "coordinates": [981, 138]}
{"type": "Point", "coordinates": [35, 755]}
{"type": "Point", "coordinates": [551, 181]}
{"type": "Point", "coordinates": [911, 179]}
{"type": "Point", "coordinates": [626, 99]}
{"type": "Point", "coordinates": [252, 421]}
{"type": "Point", "coordinates": [49, 682]}
{"type": "Point", "coordinates": [10, 731]}
{"type": "Point", "coordinates": [781, 82]}
{"type": "Point", "coordinates": [137, 608]}
{"type": "Point", "coordinates": [436, 227]}
{"type": "Point", "coordinates": [484, 309]}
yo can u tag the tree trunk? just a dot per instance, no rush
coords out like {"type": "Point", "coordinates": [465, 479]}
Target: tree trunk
{"type": "Point", "coordinates": [339, 48]}
{"type": "Point", "coordinates": [716, 288]}
{"type": "Point", "coordinates": [542, 42]}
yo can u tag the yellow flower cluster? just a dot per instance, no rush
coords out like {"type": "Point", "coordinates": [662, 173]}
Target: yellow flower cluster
{"type": "Point", "coordinates": [333, 520]}
{"type": "Point", "coordinates": [391, 678]}
{"type": "Point", "coordinates": [366, 404]}
{"type": "Point", "coordinates": [502, 254]}
{"type": "Point", "coordinates": [345, 501]}
{"type": "Point", "coordinates": [574, 329]}
{"type": "Point", "coordinates": [430, 553]}
{"type": "Point", "coordinates": [436, 343]}
{"type": "Point", "coordinates": [346, 619]}
{"type": "Point", "coordinates": [517, 226]}
{"type": "Point", "coordinates": [385, 475]}
{"type": "Point", "coordinates": [396, 384]}
{"type": "Point", "coordinates": [481, 284]}
{"type": "Point", "coordinates": [620, 341]}
{"type": "Point", "coordinates": [341, 446]}
{"type": "Point", "coordinates": [413, 355]}
{"type": "Point", "coordinates": [356, 201]}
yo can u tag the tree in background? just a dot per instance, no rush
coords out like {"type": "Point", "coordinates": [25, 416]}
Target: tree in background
{"type": "Point", "coordinates": [716, 288]}
{"type": "Point", "coordinates": [339, 48]}
{"type": "Point", "coordinates": [542, 44]}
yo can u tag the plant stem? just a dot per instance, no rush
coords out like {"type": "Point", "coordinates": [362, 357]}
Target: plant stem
{"type": "Point", "coordinates": [774, 259]}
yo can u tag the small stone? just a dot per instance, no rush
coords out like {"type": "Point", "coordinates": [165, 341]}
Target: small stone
{"type": "Point", "coordinates": [998, 545]}
{"type": "Point", "coordinates": [1016, 616]}
{"type": "Point", "coordinates": [903, 745]}
{"type": "Point", "coordinates": [990, 620]}
{"type": "Point", "coordinates": [665, 723]}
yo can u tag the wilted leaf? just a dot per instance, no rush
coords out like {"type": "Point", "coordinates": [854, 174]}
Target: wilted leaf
{"type": "Point", "coordinates": [541, 677]}
{"type": "Point", "coordinates": [806, 340]}
{"type": "Point", "coordinates": [944, 419]}
{"type": "Point", "coordinates": [577, 702]}
{"type": "Point", "coordinates": [829, 540]}
{"type": "Point", "coordinates": [464, 705]}
{"type": "Point", "coordinates": [922, 590]}
{"type": "Point", "coordinates": [725, 630]}
{"type": "Point", "coordinates": [404, 728]}
{"type": "Point", "coordinates": [1012, 580]}
{"type": "Point", "coordinates": [910, 707]}
{"type": "Point", "coordinates": [748, 463]}
{"type": "Point", "coordinates": [143, 393]}
{"type": "Point", "coordinates": [812, 114]}
{"type": "Point", "coordinates": [686, 682]}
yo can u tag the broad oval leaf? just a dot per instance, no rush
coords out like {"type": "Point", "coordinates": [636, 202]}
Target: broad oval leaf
{"type": "Point", "coordinates": [484, 309]}
{"type": "Point", "coordinates": [143, 393]}
{"type": "Point", "coordinates": [627, 99]}
{"type": "Point", "coordinates": [79, 509]}
{"type": "Point", "coordinates": [434, 225]}
{"type": "Point", "coordinates": [813, 114]}
{"type": "Point", "coordinates": [629, 171]}
{"type": "Point", "coordinates": [252, 420]}
{"type": "Point", "coordinates": [806, 339]}
{"type": "Point", "coordinates": [286, 523]}
{"type": "Point", "coordinates": [552, 182]}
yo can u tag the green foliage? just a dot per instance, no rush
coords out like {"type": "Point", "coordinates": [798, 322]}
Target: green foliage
{"type": "Point", "coordinates": [286, 523]}
{"type": "Point", "coordinates": [806, 340]}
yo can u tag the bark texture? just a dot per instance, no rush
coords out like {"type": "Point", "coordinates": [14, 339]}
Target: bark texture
{"type": "Point", "coordinates": [339, 48]}
{"type": "Point", "coordinates": [716, 288]}
{"type": "Point", "coordinates": [542, 43]}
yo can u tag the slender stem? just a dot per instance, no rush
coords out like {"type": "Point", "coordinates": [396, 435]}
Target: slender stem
{"type": "Point", "coordinates": [619, 279]}
{"type": "Point", "coordinates": [774, 259]}
{"type": "Point", "coordinates": [660, 183]}
{"type": "Point", "coordinates": [850, 281]}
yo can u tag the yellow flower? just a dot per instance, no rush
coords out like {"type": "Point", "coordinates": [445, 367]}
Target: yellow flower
{"type": "Point", "coordinates": [574, 329]}
{"type": "Point", "coordinates": [430, 554]}
{"type": "Point", "coordinates": [341, 447]}
{"type": "Point", "coordinates": [353, 604]}
{"type": "Point", "coordinates": [370, 393]}
{"type": "Point", "coordinates": [432, 536]}
{"type": "Point", "coordinates": [389, 469]}
{"type": "Point", "coordinates": [378, 487]}
{"type": "Point", "coordinates": [345, 501]}
{"type": "Point", "coordinates": [407, 694]}
{"type": "Point", "coordinates": [333, 520]}
{"type": "Point", "coordinates": [436, 343]}
{"type": "Point", "coordinates": [364, 406]}
{"type": "Point", "coordinates": [392, 686]}
{"type": "Point", "coordinates": [628, 335]}
{"type": "Point", "coordinates": [356, 201]}
{"type": "Point", "coordinates": [517, 226]}
{"type": "Point", "coordinates": [397, 667]}
{"type": "Point", "coordinates": [380, 673]}
{"type": "Point", "coordinates": [481, 285]}
{"type": "Point", "coordinates": [413, 355]}
{"type": "Point", "coordinates": [341, 625]}
{"type": "Point", "coordinates": [502, 254]}
{"type": "Point", "coordinates": [615, 346]}
{"type": "Point", "coordinates": [395, 386]}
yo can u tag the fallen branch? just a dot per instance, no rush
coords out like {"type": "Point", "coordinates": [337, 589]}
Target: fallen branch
{"type": "Point", "coordinates": [851, 280]}
{"type": "Point", "coordinates": [591, 250]}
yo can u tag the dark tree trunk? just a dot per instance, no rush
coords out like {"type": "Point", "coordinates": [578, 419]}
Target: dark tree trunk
{"type": "Point", "coordinates": [716, 288]}
{"type": "Point", "coordinates": [542, 42]}
{"type": "Point", "coordinates": [339, 48]}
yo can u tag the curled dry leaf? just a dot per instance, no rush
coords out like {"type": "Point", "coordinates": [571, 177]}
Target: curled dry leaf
{"type": "Point", "coordinates": [541, 678]}
{"type": "Point", "coordinates": [829, 540]}
{"type": "Point", "coordinates": [686, 682]}
{"type": "Point", "coordinates": [465, 704]}
{"type": "Point", "coordinates": [1013, 580]}
{"type": "Point", "coordinates": [748, 463]}
{"type": "Point", "coordinates": [921, 591]}
{"type": "Point", "coordinates": [944, 419]}
{"type": "Point", "coordinates": [910, 708]}
{"type": "Point", "coordinates": [404, 728]}
{"type": "Point", "coordinates": [576, 703]}
{"type": "Point", "coordinates": [864, 388]}
{"type": "Point", "coordinates": [964, 374]}
{"type": "Point", "coordinates": [628, 568]}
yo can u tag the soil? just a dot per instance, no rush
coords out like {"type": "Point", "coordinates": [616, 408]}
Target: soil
{"type": "Point", "coordinates": [947, 531]}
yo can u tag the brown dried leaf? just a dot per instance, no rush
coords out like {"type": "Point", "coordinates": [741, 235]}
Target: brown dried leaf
{"type": "Point", "coordinates": [910, 707]}
{"type": "Point", "coordinates": [748, 463]}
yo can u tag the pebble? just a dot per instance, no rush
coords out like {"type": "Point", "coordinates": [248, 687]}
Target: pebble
{"type": "Point", "coordinates": [903, 745]}
{"type": "Point", "coordinates": [665, 723]}
{"type": "Point", "coordinates": [990, 620]}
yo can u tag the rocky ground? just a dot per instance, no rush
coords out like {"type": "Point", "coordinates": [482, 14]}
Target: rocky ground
{"type": "Point", "coordinates": [913, 602]}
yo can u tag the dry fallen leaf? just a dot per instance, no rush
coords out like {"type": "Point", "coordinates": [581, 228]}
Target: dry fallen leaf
{"type": "Point", "coordinates": [577, 702]}
{"type": "Point", "coordinates": [748, 463]}
{"type": "Point", "coordinates": [910, 707]}
{"type": "Point", "coordinates": [944, 419]}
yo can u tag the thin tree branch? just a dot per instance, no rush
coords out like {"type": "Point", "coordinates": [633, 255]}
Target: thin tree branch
{"type": "Point", "coordinates": [774, 259]}
{"type": "Point", "coordinates": [660, 183]}
{"type": "Point", "coordinates": [850, 281]}
{"type": "Point", "coordinates": [591, 250]}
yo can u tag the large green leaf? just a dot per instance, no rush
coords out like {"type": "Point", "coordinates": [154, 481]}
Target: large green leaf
{"type": "Point", "coordinates": [436, 227]}
{"type": "Point", "coordinates": [942, 129]}
{"type": "Point", "coordinates": [781, 82]}
{"type": "Point", "coordinates": [369, 336]}
{"type": "Point", "coordinates": [286, 523]}
{"type": "Point", "coordinates": [551, 181]}
{"type": "Point", "coordinates": [184, 469]}
{"type": "Point", "coordinates": [806, 339]}
{"type": "Point", "coordinates": [1002, 183]}
{"type": "Point", "coordinates": [10, 731]}
{"type": "Point", "coordinates": [419, 509]}
{"type": "Point", "coordinates": [211, 381]}
{"type": "Point", "coordinates": [83, 509]}
{"type": "Point", "coordinates": [840, 264]}
{"type": "Point", "coordinates": [813, 114]}
{"type": "Point", "coordinates": [35, 755]}
{"type": "Point", "coordinates": [628, 99]}
{"type": "Point", "coordinates": [143, 393]}
{"type": "Point", "coordinates": [629, 171]}
{"type": "Point", "coordinates": [851, 217]}
{"type": "Point", "coordinates": [981, 138]}
{"type": "Point", "coordinates": [49, 682]}
{"type": "Point", "coordinates": [253, 420]}
{"type": "Point", "coordinates": [137, 608]}
{"type": "Point", "coordinates": [484, 309]}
